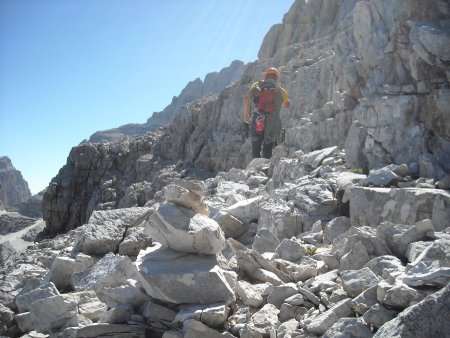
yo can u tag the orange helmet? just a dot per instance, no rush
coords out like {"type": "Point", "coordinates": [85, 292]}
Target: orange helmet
{"type": "Point", "coordinates": [272, 71]}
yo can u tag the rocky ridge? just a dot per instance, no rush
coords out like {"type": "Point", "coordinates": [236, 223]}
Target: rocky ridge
{"type": "Point", "coordinates": [282, 248]}
{"type": "Point", "coordinates": [213, 83]}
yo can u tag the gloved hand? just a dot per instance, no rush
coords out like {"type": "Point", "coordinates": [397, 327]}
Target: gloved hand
{"type": "Point", "coordinates": [246, 129]}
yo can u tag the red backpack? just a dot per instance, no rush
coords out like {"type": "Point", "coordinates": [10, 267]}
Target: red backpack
{"type": "Point", "coordinates": [266, 97]}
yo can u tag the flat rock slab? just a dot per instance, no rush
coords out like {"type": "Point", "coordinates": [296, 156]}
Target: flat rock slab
{"type": "Point", "coordinates": [371, 206]}
{"type": "Point", "coordinates": [179, 277]}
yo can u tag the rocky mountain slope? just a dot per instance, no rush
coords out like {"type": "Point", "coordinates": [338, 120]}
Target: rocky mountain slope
{"type": "Point", "coordinates": [343, 232]}
{"type": "Point", "coordinates": [213, 83]}
{"type": "Point", "coordinates": [371, 78]}
{"type": "Point", "coordinates": [13, 188]}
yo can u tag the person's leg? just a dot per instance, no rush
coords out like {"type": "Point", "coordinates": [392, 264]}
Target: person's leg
{"type": "Point", "coordinates": [267, 149]}
{"type": "Point", "coordinates": [257, 140]}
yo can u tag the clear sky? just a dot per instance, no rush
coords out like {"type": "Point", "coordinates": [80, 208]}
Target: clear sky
{"type": "Point", "coordinates": [69, 68]}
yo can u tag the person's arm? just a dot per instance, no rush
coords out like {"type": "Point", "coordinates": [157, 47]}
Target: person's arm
{"type": "Point", "coordinates": [286, 103]}
{"type": "Point", "coordinates": [246, 105]}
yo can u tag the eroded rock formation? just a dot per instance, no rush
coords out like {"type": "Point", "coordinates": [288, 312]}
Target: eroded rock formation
{"type": "Point", "coordinates": [13, 188]}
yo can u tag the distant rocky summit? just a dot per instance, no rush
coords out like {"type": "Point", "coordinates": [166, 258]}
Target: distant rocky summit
{"type": "Point", "coordinates": [213, 83]}
{"type": "Point", "coordinates": [13, 188]}
{"type": "Point", "coordinates": [344, 232]}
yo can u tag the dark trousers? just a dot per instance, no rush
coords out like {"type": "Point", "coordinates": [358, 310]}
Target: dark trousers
{"type": "Point", "coordinates": [257, 143]}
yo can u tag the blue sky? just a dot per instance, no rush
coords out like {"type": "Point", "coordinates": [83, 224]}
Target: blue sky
{"type": "Point", "coordinates": [69, 68]}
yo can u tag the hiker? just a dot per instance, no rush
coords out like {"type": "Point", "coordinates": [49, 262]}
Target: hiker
{"type": "Point", "coordinates": [264, 123]}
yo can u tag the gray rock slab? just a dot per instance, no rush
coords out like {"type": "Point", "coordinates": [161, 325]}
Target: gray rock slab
{"type": "Point", "coordinates": [337, 226]}
{"type": "Point", "coordinates": [230, 225]}
{"type": "Point", "coordinates": [246, 210]}
{"type": "Point", "coordinates": [184, 230]}
{"type": "Point", "coordinates": [356, 281]}
{"type": "Point", "coordinates": [265, 241]}
{"type": "Point", "coordinates": [399, 236]}
{"type": "Point", "coordinates": [110, 271]}
{"type": "Point", "coordinates": [280, 293]}
{"type": "Point", "coordinates": [428, 318]}
{"type": "Point", "coordinates": [180, 277]}
{"type": "Point", "coordinates": [377, 315]}
{"type": "Point", "coordinates": [26, 300]}
{"type": "Point", "coordinates": [323, 322]}
{"type": "Point", "coordinates": [348, 328]}
{"type": "Point", "coordinates": [106, 228]}
{"type": "Point", "coordinates": [371, 206]}
{"type": "Point", "coordinates": [212, 315]}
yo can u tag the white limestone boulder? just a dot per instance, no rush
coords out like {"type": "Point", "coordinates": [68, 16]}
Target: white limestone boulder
{"type": "Point", "coordinates": [63, 267]}
{"type": "Point", "coordinates": [110, 271]}
{"type": "Point", "coordinates": [185, 230]}
{"type": "Point", "coordinates": [247, 210]}
{"type": "Point", "coordinates": [348, 327]}
{"type": "Point", "coordinates": [323, 322]}
{"type": "Point", "coordinates": [427, 273]}
{"type": "Point", "coordinates": [120, 314]}
{"type": "Point", "coordinates": [280, 293]}
{"type": "Point", "coordinates": [386, 176]}
{"type": "Point", "coordinates": [315, 158]}
{"type": "Point", "coordinates": [252, 294]}
{"type": "Point", "coordinates": [135, 240]}
{"type": "Point", "coordinates": [387, 267]}
{"type": "Point", "coordinates": [291, 250]}
{"type": "Point", "coordinates": [184, 197]}
{"type": "Point", "coordinates": [355, 258]}
{"type": "Point", "coordinates": [157, 314]}
{"type": "Point", "coordinates": [314, 197]}
{"type": "Point", "coordinates": [106, 229]}
{"type": "Point", "coordinates": [438, 250]}
{"type": "Point", "coordinates": [24, 301]}
{"type": "Point", "coordinates": [212, 315]}
{"type": "Point", "coordinates": [428, 318]}
{"type": "Point", "coordinates": [180, 277]}
{"type": "Point", "coordinates": [263, 322]}
{"type": "Point", "coordinates": [279, 217]}
{"type": "Point", "coordinates": [371, 206]}
{"type": "Point", "coordinates": [230, 225]}
{"type": "Point", "coordinates": [356, 281]}
{"type": "Point", "coordinates": [337, 226]}
{"type": "Point", "coordinates": [399, 236]}
{"type": "Point", "coordinates": [377, 315]}
{"type": "Point", "coordinates": [365, 300]}
{"type": "Point", "coordinates": [265, 241]}
{"type": "Point", "coordinates": [254, 265]}
{"type": "Point", "coordinates": [401, 296]}
{"type": "Point", "coordinates": [130, 292]}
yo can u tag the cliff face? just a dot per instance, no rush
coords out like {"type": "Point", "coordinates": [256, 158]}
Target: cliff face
{"type": "Point", "coordinates": [213, 83]}
{"type": "Point", "coordinates": [13, 188]}
{"type": "Point", "coordinates": [369, 77]}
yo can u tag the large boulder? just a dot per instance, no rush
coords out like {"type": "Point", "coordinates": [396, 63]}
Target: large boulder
{"type": "Point", "coordinates": [429, 318]}
{"type": "Point", "coordinates": [371, 206]}
{"type": "Point", "coordinates": [106, 230]}
{"type": "Point", "coordinates": [181, 277]}
{"type": "Point", "coordinates": [185, 230]}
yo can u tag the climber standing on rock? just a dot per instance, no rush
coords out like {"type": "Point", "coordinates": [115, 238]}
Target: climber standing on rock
{"type": "Point", "coordinates": [264, 123]}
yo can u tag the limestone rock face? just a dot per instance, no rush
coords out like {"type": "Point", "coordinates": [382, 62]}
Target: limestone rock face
{"type": "Point", "coordinates": [96, 177]}
{"type": "Point", "coordinates": [13, 188]}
